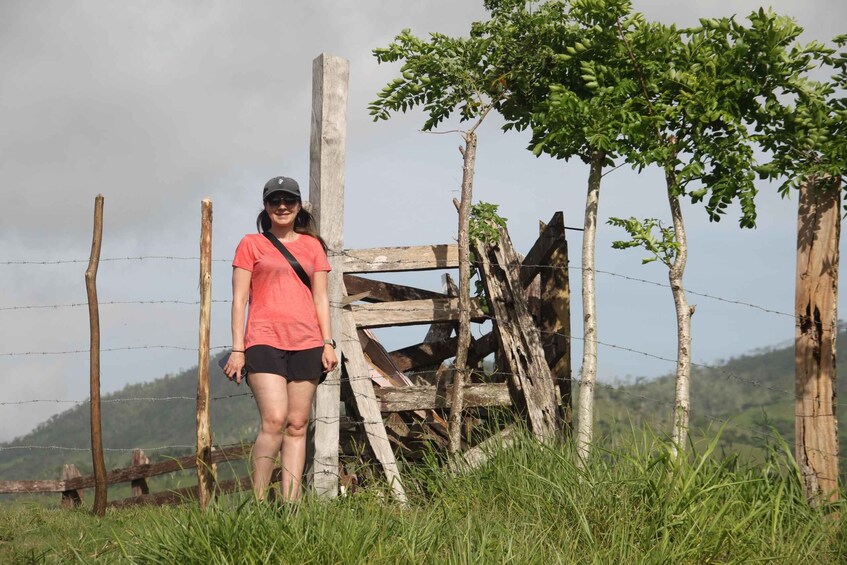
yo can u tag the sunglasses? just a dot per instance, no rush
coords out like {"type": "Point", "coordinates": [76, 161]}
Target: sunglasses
{"type": "Point", "coordinates": [287, 200]}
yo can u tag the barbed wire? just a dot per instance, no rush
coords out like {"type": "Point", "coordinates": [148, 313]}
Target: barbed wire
{"type": "Point", "coordinates": [112, 259]}
{"type": "Point", "coordinates": [112, 303]}
{"type": "Point", "coordinates": [107, 350]}
{"type": "Point", "coordinates": [351, 421]}
{"type": "Point", "coordinates": [352, 254]}
{"type": "Point", "coordinates": [110, 449]}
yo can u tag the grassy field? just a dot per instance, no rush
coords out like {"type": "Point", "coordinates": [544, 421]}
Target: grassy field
{"type": "Point", "coordinates": [529, 504]}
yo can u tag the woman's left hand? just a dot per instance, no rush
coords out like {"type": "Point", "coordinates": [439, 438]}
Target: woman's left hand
{"type": "Point", "coordinates": [330, 361]}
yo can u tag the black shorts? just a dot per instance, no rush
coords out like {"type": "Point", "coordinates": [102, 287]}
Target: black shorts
{"type": "Point", "coordinates": [305, 365]}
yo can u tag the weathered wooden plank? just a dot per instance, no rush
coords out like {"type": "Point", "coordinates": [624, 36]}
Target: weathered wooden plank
{"type": "Point", "coordinates": [429, 397]}
{"type": "Point", "coordinates": [816, 327]}
{"type": "Point", "coordinates": [390, 259]}
{"type": "Point", "coordinates": [414, 357]}
{"type": "Point", "coordinates": [478, 455]}
{"type": "Point", "coordinates": [124, 474]}
{"type": "Point", "coordinates": [188, 494]}
{"type": "Point", "coordinates": [330, 78]}
{"type": "Point", "coordinates": [411, 312]}
{"type": "Point", "coordinates": [367, 405]}
{"type": "Point", "coordinates": [518, 337]}
{"type": "Point", "coordinates": [379, 291]}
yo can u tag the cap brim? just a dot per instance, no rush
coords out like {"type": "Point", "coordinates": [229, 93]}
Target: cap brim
{"type": "Point", "coordinates": [283, 191]}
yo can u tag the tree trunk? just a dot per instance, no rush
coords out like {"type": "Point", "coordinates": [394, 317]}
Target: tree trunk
{"type": "Point", "coordinates": [588, 374]}
{"type": "Point", "coordinates": [464, 336]}
{"type": "Point", "coordinates": [682, 405]}
{"type": "Point", "coordinates": [816, 300]}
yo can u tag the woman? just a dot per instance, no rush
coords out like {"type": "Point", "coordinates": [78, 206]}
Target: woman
{"type": "Point", "coordinates": [287, 347]}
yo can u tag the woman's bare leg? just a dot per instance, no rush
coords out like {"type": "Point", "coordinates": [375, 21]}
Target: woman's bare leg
{"type": "Point", "coordinates": [271, 396]}
{"type": "Point", "coordinates": [300, 394]}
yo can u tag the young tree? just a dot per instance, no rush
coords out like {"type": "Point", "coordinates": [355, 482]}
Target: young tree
{"type": "Point", "coordinates": [446, 75]}
{"type": "Point", "coordinates": [702, 94]}
{"type": "Point", "coordinates": [571, 83]}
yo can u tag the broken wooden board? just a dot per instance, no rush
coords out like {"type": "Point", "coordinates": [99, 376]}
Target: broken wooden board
{"type": "Point", "coordinates": [390, 259]}
{"type": "Point", "coordinates": [533, 385]}
{"type": "Point", "coordinates": [410, 312]}
{"type": "Point", "coordinates": [380, 291]}
{"type": "Point", "coordinates": [427, 397]}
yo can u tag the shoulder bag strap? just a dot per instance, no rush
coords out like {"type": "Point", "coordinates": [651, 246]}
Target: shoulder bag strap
{"type": "Point", "coordinates": [298, 268]}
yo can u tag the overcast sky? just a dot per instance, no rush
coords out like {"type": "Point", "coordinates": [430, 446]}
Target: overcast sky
{"type": "Point", "coordinates": [157, 105]}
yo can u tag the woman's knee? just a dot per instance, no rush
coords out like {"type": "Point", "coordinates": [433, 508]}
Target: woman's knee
{"type": "Point", "coordinates": [296, 427]}
{"type": "Point", "coordinates": [274, 423]}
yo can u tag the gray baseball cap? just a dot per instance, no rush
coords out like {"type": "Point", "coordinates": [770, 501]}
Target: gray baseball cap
{"type": "Point", "coordinates": [281, 184]}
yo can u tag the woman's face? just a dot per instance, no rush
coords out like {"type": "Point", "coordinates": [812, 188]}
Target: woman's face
{"type": "Point", "coordinates": [283, 209]}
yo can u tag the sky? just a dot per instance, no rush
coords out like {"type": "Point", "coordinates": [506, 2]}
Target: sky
{"type": "Point", "coordinates": [157, 105]}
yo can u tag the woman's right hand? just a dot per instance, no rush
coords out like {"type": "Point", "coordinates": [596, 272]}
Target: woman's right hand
{"type": "Point", "coordinates": [234, 366]}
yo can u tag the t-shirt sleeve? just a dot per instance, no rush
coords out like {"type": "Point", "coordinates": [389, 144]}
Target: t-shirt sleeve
{"type": "Point", "coordinates": [245, 255]}
{"type": "Point", "coordinates": [321, 262]}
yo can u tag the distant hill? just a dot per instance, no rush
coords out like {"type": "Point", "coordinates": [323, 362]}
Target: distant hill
{"type": "Point", "coordinates": [130, 420]}
{"type": "Point", "coordinates": [752, 393]}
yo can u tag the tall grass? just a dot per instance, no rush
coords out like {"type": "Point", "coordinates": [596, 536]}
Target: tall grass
{"type": "Point", "coordinates": [633, 503]}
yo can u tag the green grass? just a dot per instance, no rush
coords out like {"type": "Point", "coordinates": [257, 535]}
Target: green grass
{"type": "Point", "coordinates": [529, 504]}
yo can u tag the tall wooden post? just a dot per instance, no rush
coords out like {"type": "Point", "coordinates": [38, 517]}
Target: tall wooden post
{"type": "Point", "coordinates": [816, 301]}
{"type": "Point", "coordinates": [204, 433]}
{"type": "Point", "coordinates": [330, 76]}
{"type": "Point", "coordinates": [555, 315]}
{"type": "Point", "coordinates": [97, 459]}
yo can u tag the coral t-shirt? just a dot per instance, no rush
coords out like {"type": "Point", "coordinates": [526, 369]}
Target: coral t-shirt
{"type": "Point", "coordinates": [281, 312]}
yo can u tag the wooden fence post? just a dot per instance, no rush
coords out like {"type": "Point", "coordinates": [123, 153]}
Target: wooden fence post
{"type": "Point", "coordinates": [204, 434]}
{"type": "Point", "coordinates": [100, 490]}
{"type": "Point", "coordinates": [139, 486]}
{"type": "Point", "coordinates": [555, 315]}
{"type": "Point", "coordinates": [330, 77]}
{"type": "Point", "coordinates": [71, 498]}
{"type": "Point", "coordinates": [816, 301]}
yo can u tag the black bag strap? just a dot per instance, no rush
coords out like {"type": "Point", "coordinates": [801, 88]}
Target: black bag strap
{"type": "Point", "coordinates": [298, 268]}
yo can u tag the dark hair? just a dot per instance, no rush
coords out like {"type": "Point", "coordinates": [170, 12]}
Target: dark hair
{"type": "Point", "coordinates": [304, 224]}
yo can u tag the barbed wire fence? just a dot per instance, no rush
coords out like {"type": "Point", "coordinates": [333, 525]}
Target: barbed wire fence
{"type": "Point", "coordinates": [762, 432]}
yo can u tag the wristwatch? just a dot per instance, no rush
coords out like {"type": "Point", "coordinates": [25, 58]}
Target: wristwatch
{"type": "Point", "coordinates": [330, 342]}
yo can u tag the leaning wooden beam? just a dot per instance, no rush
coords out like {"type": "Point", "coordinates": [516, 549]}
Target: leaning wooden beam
{"type": "Point", "coordinates": [389, 259]}
{"type": "Point", "coordinates": [379, 291]}
{"type": "Point", "coordinates": [366, 403]}
{"type": "Point", "coordinates": [412, 312]}
{"type": "Point", "coordinates": [478, 455]}
{"type": "Point", "coordinates": [414, 357]}
{"type": "Point", "coordinates": [518, 337]}
{"type": "Point", "coordinates": [428, 397]}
